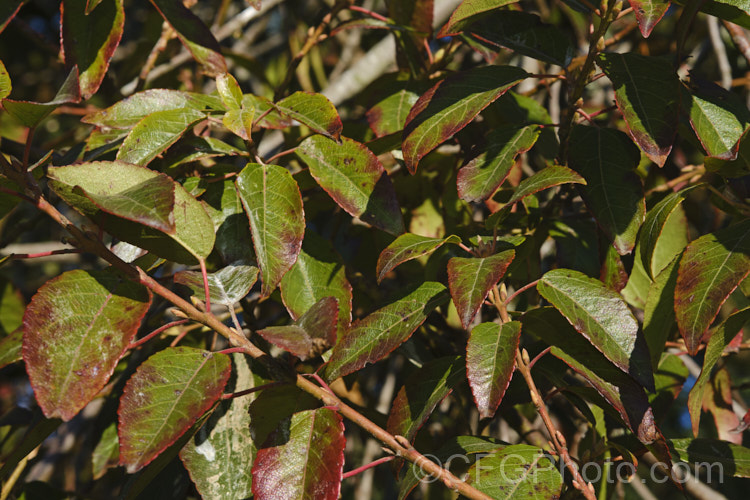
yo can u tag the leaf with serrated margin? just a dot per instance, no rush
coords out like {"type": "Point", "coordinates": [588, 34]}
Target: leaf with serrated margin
{"type": "Point", "coordinates": [318, 273]}
{"type": "Point", "coordinates": [450, 105]}
{"type": "Point", "coordinates": [548, 177]}
{"type": "Point", "coordinates": [468, 12]}
{"type": "Point", "coordinates": [373, 337]}
{"type": "Point", "coordinates": [471, 279]}
{"type": "Point", "coordinates": [313, 110]}
{"type": "Point", "coordinates": [226, 286]}
{"type": "Point", "coordinates": [165, 396]}
{"type": "Point", "coordinates": [303, 458]}
{"type": "Point", "coordinates": [220, 455]}
{"type": "Point", "coordinates": [356, 180]}
{"type": "Point", "coordinates": [30, 114]}
{"type": "Point", "coordinates": [490, 362]}
{"type": "Point", "coordinates": [192, 239]}
{"type": "Point", "coordinates": [710, 269]}
{"type": "Point", "coordinates": [5, 83]}
{"type": "Point", "coordinates": [129, 191]}
{"type": "Point", "coordinates": [602, 317]}
{"type": "Point", "coordinates": [733, 459]}
{"type": "Point", "coordinates": [273, 205]}
{"type": "Point", "coordinates": [647, 92]}
{"type": "Point", "coordinates": [421, 393]}
{"type": "Point", "coordinates": [155, 133]}
{"type": "Point", "coordinates": [313, 333]}
{"type": "Point", "coordinates": [718, 117]}
{"type": "Point", "coordinates": [89, 39]}
{"type": "Point", "coordinates": [76, 329]}
{"type": "Point", "coordinates": [479, 178]}
{"type": "Point", "coordinates": [720, 339]}
{"type": "Point", "coordinates": [607, 159]}
{"type": "Point", "coordinates": [193, 34]}
{"type": "Point", "coordinates": [622, 392]}
{"type": "Point", "coordinates": [406, 247]}
{"type": "Point", "coordinates": [516, 472]}
{"type": "Point", "coordinates": [388, 115]}
{"type": "Point", "coordinates": [648, 13]}
{"type": "Point", "coordinates": [127, 113]}
{"type": "Point", "coordinates": [658, 314]}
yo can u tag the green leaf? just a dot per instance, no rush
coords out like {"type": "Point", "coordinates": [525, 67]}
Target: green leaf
{"type": "Point", "coordinates": [90, 38]}
{"type": "Point", "coordinates": [275, 405]}
{"type": "Point", "coordinates": [106, 454]}
{"type": "Point", "coordinates": [733, 459]}
{"type": "Point", "coordinates": [229, 91]}
{"type": "Point", "coordinates": [718, 117]}
{"type": "Point", "coordinates": [155, 133]}
{"type": "Point", "coordinates": [548, 177]}
{"type": "Point", "coordinates": [600, 315]}
{"type": "Point", "coordinates": [193, 34]}
{"type": "Point", "coordinates": [312, 335]}
{"type": "Point", "coordinates": [607, 159]}
{"type": "Point", "coordinates": [406, 247]}
{"type": "Point", "coordinates": [739, 167]}
{"type": "Point", "coordinates": [647, 92]}
{"type": "Point", "coordinates": [303, 458]}
{"type": "Point", "coordinates": [471, 279]}
{"type": "Point", "coordinates": [193, 236]}
{"type": "Point", "coordinates": [658, 314]}
{"type": "Point", "coordinates": [239, 122]}
{"type": "Point", "coordinates": [516, 472]}
{"type": "Point", "coordinates": [720, 339]}
{"type": "Point", "coordinates": [5, 83]}
{"type": "Point", "coordinates": [273, 205]}
{"type": "Point", "coordinates": [624, 394]}
{"type": "Point", "coordinates": [354, 177]}
{"type": "Point", "coordinates": [318, 273]}
{"type": "Point", "coordinates": [226, 286]}
{"type": "Point", "coordinates": [648, 13]}
{"type": "Point", "coordinates": [10, 348]}
{"type": "Point", "coordinates": [490, 362]}
{"type": "Point", "coordinates": [233, 240]}
{"type": "Point", "coordinates": [76, 329]}
{"type": "Point", "coordinates": [220, 455]}
{"type": "Point", "coordinates": [313, 110]}
{"type": "Point", "coordinates": [479, 178]}
{"type": "Point", "coordinates": [468, 12]}
{"type": "Point", "coordinates": [710, 269]}
{"type": "Point", "coordinates": [127, 113]}
{"type": "Point", "coordinates": [421, 393]}
{"type": "Point", "coordinates": [388, 115]}
{"type": "Point", "coordinates": [12, 307]}
{"type": "Point", "coordinates": [120, 189]}
{"type": "Point", "coordinates": [31, 114]}
{"type": "Point", "coordinates": [163, 399]}
{"type": "Point", "coordinates": [376, 335]}
{"type": "Point", "coordinates": [450, 105]}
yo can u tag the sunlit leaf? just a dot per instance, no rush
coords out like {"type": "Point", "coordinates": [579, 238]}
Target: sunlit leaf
{"type": "Point", "coordinates": [468, 12]}
{"type": "Point", "coordinates": [226, 286]}
{"type": "Point", "coordinates": [648, 13]}
{"type": "Point", "coordinates": [548, 177]}
{"type": "Point", "coordinates": [155, 133]}
{"type": "Point", "coordinates": [407, 247]}
{"type": "Point", "coordinates": [733, 459]}
{"type": "Point", "coordinates": [388, 115]}
{"type": "Point", "coordinates": [5, 83]}
{"type": "Point", "coordinates": [313, 110]}
{"type": "Point", "coordinates": [229, 91]}
{"type": "Point", "coordinates": [76, 328]}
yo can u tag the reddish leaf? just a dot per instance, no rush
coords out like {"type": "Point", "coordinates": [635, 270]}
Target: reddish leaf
{"type": "Point", "coordinates": [273, 205]}
{"type": "Point", "coordinates": [376, 335]}
{"type": "Point", "coordinates": [450, 105]}
{"type": "Point", "coordinates": [193, 34]}
{"type": "Point", "coordinates": [421, 393]}
{"type": "Point", "coordinates": [710, 269]}
{"type": "Point", "coordinates": [407, 247]}
{"type": "Point", "coordinates": [471, 279]}
{"type": "Point", "coordinates": [648, 13]}
{"type": "Point", "coordinates": [490, 362]}
{"type": "Point", "coordinates": [312, 335]}
{"type": "Point", "coordinates": [717, 400]}
{"type": "Point", "coordinates": [354, 177]}
{"type": "Point", "coordinates": [76, 328]}
{"type": "Point", "coordinates": [89, 39]}
{"type": "Point", "coordinates": [388, 115]}
{"type": "Point", "coordinates": [313, 110]}
{"type": "Point", "coordinates": [165, 396]}
{"type": "Point", "coordinates": [302, 459]}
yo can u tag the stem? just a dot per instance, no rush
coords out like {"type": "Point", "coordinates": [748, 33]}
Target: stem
{"type": "Point", "coordinates": [251, 390]}
{"type": "Point", "coordinates": [156, 332]}
{"type": "Point", "coordinates": [43, 254]}
{"type": "Point", "coordinates": [205, 284]}
{"type": "Point", "coordinates": [356, 471]}
{"type": "Point", "coordinates": [464, 247]}
{"type": "Point", "coordinates": [370, 13]}
{"type": "Point", "coordinates": [508, 300]}
{"type": "Point", "coordinates": [279, 155]}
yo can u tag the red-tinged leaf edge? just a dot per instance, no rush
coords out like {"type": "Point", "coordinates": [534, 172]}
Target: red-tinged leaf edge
{"type": "Point", "coordinates": [647, 21]}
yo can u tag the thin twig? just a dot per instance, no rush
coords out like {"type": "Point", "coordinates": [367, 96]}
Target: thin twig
{"type": "Point", "coordinates": [363, 468]}
{"type": "Point", "coordinates": [239, 394]}
{"type": "Point", "coordinates": [512, 296]}
{"type": "Point", "coordinates": [156, 332]}
{"type": "Point", "coordinates": [206, 291]}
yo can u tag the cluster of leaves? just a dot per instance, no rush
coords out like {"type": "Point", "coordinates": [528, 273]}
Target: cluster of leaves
{"type": "Point", "coordinates": [389, 226]}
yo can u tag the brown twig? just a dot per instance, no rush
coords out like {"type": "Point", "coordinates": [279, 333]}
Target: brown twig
{"type": "Point", "coordinates": [156, 332]}
{"type": "Point", "coordinates": [363, 468]}
{"type": "Point", "coordinates": [515, 294]}
{"type": "Point", "coordinates": [739, 38]}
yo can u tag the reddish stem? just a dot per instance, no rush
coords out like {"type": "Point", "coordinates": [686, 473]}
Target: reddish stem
{"type": "Point", "coordinates": [370, 13]}
{"type": "Point", "coordinates": [321, 382]}
{"type": "Point", "coordinates": [16, 194]}
{"type": "Point", "coordinates": [156, 332]}
{"type": "Point", "coordinates": [251, 390]}
{"type": "Point", "coordinates": [205, 284]}
{"type": "Point", "coordinates": [232, 350]}
{"type": "Point", "coordinates": [464, 247]}
{"type": "Point", "coordinates": [44, 254]}
{"type": "Point", "coordinates": [519, 291]}
{"type": "Point", "coordinates": [279, 155]}
{"type": "Point", "coordinates": [356, 471]}
{"type": "Point", "coordinates": [538, 357]}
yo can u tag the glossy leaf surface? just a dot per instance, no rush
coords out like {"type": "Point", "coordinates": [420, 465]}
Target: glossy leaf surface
{"type": "Point", "coordinates": [490, 362]}
{"type": "Point", "coordinates": [155, 133]}
{"type": "Point", "coordinates": [450, 105]}
{"type": "Point", "coordinates": [548, 177]}
{"type": "Point", "coordinates": [303, 458]}
{"type": "Point", "coordinates": [710, 269]}
{"type": "Point", "coordinates": [313, 110]}
{"type": "Point", "coordinates": [471, 278]}
{"type": "Point", "coordinates": [273, 205]}
{"type": "Point", "coordinates": [600, 315]}
{"type": "Point", "coordinates": [76, 328]}
{"type": "Point", "coordinates": [353, 176]}
{"type": "Point", "coordinates": [376, 335]}
{"type": "Point", "coordinates": [165, 396]}
{"type": "Point", "coordinates": [226, 286]}
{"type": "Point", "coordinates": [407, 247]}
{"type": "Point", "coordinates": [468, 12]}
